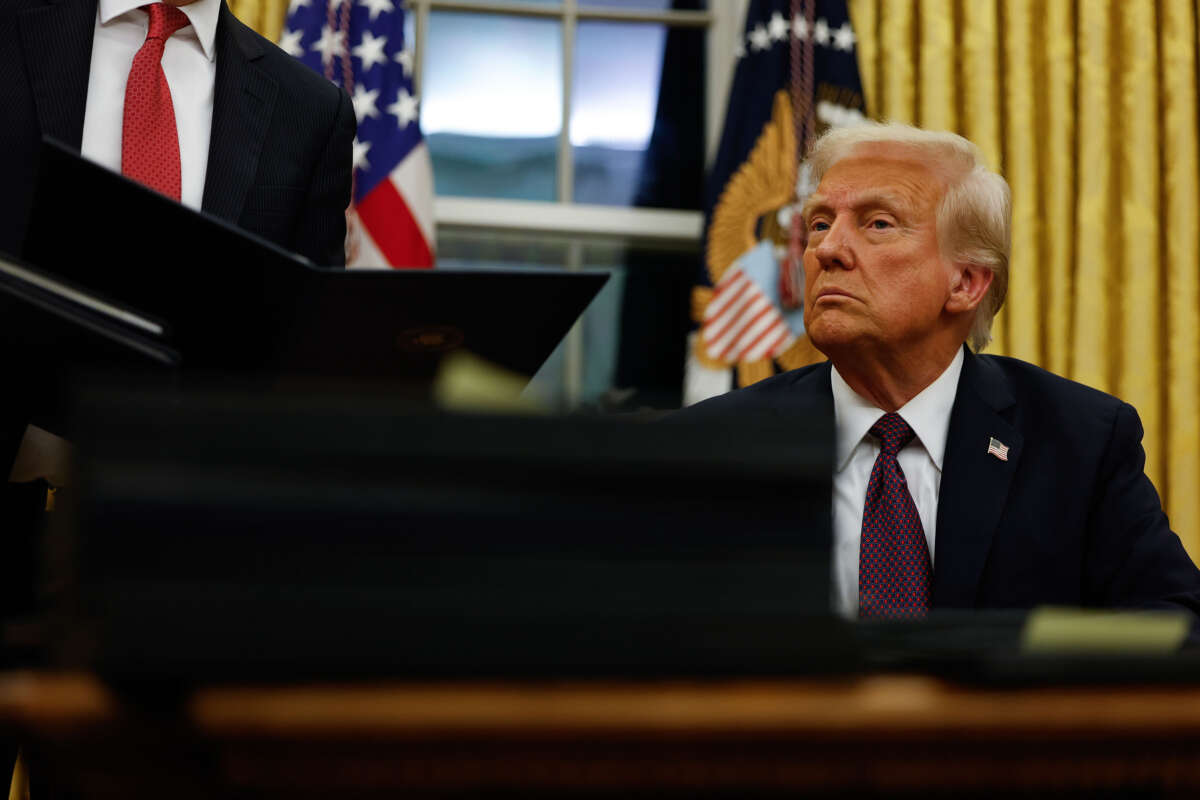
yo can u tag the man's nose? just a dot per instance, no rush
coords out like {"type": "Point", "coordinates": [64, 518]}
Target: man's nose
{"type": "Point", "coordinates": [836, 248]}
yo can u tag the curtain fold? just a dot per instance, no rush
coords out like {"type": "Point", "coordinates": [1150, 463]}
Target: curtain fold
{"type": "Point", "coordinates": [265, 16]}
{"type": "Point", "coordinates": [1089, 109]}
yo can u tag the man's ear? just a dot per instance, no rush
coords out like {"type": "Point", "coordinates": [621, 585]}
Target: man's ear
{"type": "Point", "coordinates": [969, 284]}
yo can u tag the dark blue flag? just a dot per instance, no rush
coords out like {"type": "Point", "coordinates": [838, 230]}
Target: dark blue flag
{"type": "Point", "coordinates": [797, 74]}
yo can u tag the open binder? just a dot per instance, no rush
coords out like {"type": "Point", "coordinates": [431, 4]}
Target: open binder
{"type": "Point", "coordinates": [231, 302]}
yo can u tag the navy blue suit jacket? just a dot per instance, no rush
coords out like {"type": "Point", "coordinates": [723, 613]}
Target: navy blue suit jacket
{"type": "Point", "coordinates": [1070, 518]}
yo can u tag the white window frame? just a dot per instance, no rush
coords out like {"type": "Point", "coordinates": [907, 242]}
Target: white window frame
{"type": "Point", "coordinates": [723, 22]}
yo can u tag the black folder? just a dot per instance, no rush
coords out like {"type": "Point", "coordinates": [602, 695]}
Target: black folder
{"type": "Point", "coordinates": [235, 303]}
{"type": "Point", "coordinates": [51, 330]}
{"type": "Point", "coordinates": [217, 537]}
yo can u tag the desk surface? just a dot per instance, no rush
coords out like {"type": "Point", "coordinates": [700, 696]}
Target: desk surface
{"type": "Point", "coordinates": [883, 731]}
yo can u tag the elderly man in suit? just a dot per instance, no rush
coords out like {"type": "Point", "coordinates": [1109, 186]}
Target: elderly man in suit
{"type": "Point", "coordinates": [961, 480]}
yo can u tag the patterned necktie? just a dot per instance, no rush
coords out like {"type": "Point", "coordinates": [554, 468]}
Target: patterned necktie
{"type": "Point", "coordinates": [149, 141]}
{"type": "Point", "coordinates": [894, 572]}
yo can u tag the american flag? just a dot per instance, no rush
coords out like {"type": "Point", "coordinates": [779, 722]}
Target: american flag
{"type": "Point", "coordinates": [741, 323]}
{"type": "Point", "coordinates": [360, 45]}
{"type": "Point", "coordinates": [997, 449]}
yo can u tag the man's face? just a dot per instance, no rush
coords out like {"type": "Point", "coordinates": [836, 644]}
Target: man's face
{"type": "Point", "coordinates": [875, 278]}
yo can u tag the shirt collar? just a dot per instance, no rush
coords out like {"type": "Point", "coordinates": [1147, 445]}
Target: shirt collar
{"type": "Point", "coordinates": [203, 15]}
{"type": "Point", "coordinates": [928, 414]}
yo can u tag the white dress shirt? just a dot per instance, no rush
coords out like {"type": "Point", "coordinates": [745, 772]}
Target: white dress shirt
{"type": "Point", "coordinates": [189, 62]}
{"type": "Point", "coordinates": [928, 414]}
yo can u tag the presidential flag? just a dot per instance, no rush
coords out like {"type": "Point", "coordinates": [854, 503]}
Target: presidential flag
{"type": "Point", "coordinates": [360, 45]}
{"type": "Point", "coordinates": [796, 75]}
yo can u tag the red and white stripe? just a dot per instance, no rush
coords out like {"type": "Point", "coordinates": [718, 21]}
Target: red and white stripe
{"type": "Point", "coordinates": [741, 323]}
{"type": "Point", "coordinates": [397, 226]}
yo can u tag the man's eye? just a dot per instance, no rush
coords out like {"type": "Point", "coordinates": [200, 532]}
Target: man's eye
{"type": "Point", "coordinates": [818, 225]}
{"type": "Point", "coordinates": [880, 224]}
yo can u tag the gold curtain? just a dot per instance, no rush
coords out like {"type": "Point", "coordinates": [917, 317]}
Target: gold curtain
{"type": "Point", "coordinates": [1088, 108]}
{"type": "Point", "coordinates": [265, 16]}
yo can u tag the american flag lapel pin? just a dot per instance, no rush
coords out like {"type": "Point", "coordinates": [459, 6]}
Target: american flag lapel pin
{"type": "Point", "coordinates": [997, 448]}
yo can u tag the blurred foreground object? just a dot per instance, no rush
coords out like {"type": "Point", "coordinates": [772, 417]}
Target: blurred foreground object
{"type": "Point", "coordinates": [1084, 631]}
{"type": "Point", "coordinates": [248, 536]}
{"type": "Point", "coordinates": [466, 383]}
{"type": "Point", "coordinates": [882, 736]}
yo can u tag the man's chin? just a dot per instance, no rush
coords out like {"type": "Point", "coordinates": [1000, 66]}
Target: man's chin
{"type": "Point", "coordinates": [831, 339]}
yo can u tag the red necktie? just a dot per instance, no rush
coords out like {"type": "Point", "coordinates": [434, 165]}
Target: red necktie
{"type": "Point", "coordinates": [149, 141]}
{"type": "Point", "coordinates": [894, 572]}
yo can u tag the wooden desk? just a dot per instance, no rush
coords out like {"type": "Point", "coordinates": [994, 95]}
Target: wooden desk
{"type": "Point", "coordinates": [886, 732]}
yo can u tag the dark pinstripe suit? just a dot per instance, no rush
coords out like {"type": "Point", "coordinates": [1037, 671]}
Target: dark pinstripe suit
{"type": "Point", "coordinates": [278, 165]}
{"type": "Point", "coordinates": [279, 156]}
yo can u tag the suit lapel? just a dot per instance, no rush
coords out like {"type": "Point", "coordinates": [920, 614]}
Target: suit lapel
{"type": "Point", "coordinates": [975, 483]}
{"type": "Point", "coordinates": [57, 40]}
{"type": "Point", "coordinates": [814, 386]}
{"type": "Point", "coordinates": [243, 98]}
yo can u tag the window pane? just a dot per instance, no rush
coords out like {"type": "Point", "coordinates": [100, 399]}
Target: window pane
{"type": "Point", "coordinates": [637, 120]}
{"type": "Point", "coordinates": [492, 104]}
{"type": "Point", "coordinates": [647, 5]}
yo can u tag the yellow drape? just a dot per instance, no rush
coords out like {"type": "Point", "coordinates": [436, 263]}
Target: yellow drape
{"type": "Point", "coordinates": [265, 16]}
{"type": "Point", "coordinates": [1088, 108]}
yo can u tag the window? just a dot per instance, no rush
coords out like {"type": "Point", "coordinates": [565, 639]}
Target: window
{"type": "Point", "coordinates": [573, 133]}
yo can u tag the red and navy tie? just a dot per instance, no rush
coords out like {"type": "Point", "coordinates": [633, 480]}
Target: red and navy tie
{"type": "Point", "coordinates": [149, 139]}
{"type": "Point", "coordinates": [894, 571]}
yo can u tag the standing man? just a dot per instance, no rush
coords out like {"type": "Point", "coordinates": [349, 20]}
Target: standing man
{"type": "Point", "coordinates": [184, 98]}
{"type": "Point", "coordinates": [960, 480]}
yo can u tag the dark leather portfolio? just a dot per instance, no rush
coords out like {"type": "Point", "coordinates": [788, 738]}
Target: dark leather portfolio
{"type": "Point", "coordinates": [217, 537]}
{"type": "Point", "coordinates": [235, 303]}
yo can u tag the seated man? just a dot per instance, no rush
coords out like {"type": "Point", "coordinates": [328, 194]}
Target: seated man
{"type": "Point", "coordinates": [961, 480]}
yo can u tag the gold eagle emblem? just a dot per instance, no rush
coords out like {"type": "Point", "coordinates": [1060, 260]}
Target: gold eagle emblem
{"type": "Point", "coordinates": [746, 213]}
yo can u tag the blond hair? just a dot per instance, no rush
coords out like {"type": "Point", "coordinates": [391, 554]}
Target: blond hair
{"type": "Point", "coordinates": [974, 218]}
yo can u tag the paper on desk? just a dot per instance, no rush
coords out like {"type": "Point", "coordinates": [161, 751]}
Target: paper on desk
{"type": "Point", "coordinates": [466, 382]}
{"type": "Point", "coordinates": [1073, 630]}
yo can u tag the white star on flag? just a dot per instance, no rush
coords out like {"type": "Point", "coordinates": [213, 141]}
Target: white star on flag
{"type": "Point", "coordinates": [760, 39]}
{"type": "Point", "coordinates": [295, 4]}
{"type": "Point", "coordinates": [376, 7]}
{"type": "Point", "coordinates": [391, 220]}
{"type": "Point", "coordinates": [370, 51]}
{"type": "Point", "coordinates": [777, 27]}
{"type": "Point", "coordinates": [405, 59]}
{"type": "Point", "coordinates": [800, 27]}
{"type": "Point", "coordinates": [843, 37]}
{"type": "Point", "coordinates": [364, 102]}
{"type": "Point", "coordinates": [821, 32]}
{"type": "Point", "coordinates": [289, 42]}
{"type": "Point", "coordinates": [360, 154]}
{"type": "Point", "coordinates": [404, 109]}
{"type": "Point", "coordinates": [331, 45]}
